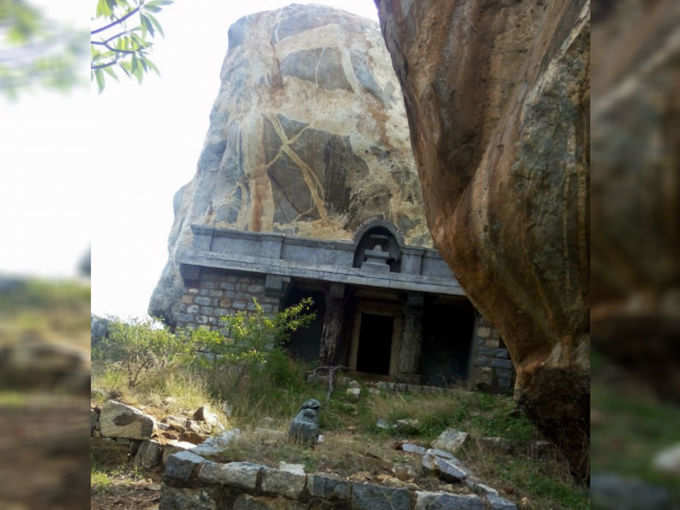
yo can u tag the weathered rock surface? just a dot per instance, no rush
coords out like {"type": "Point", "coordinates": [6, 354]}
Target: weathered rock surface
{"type": "Point", "coordinates": [182, 465]}
{"type": "Point", "coordinates": [149, 454]}
{"type": "Point", "coordinates": [308, 136]}
{"type": "Point", "coordinates": [441, 500]}
{"type": "Point", "coordinates": [284, 483]}
{"type": "Point", "coordinates": [180, 499]}
{"type": "Point", "coordinates": [120, 420]}
{"type": "Point", "coordinates": [99, 329]}
{"type": "Point", "coordinates": [497, 97]}
{"type": "Point", "coordinates": [366, 496]}
{"type": "Point", "coordinates": [216, 444]}
{"type": "Point", "coordinates": [636, 189]}
{"type": "Point", "coordinates": [450, 440]}
{"type": "Point", "coordinates": [243, 475]}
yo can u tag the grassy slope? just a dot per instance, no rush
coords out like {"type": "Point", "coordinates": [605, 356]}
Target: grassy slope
{"type": "Point", "coordinates": [545, 482]}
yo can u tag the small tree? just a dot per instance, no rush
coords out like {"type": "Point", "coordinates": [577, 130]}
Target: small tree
{"type": "Point", "coordinates": [248, 340]}
{"type": "Point", "coordinates": [140, 348]}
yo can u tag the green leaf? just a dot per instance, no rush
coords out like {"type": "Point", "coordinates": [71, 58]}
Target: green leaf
{"type": "Point", "coordinates": [100, 79]}
{"type": "Point", "coordinates": [126, 67]}
{"type": "Point", "coordinates": [152, 66]}
{"type": "Point", "coordinates": [156, 3]}
{"type": "Point", "coordinates": [137, 69]}
{"type": "Point", "coordinates": [103, 9]}
{"type": "Point", "coordinates": [152, 8]}
{"type": "Point", "coordinates": [138, 40]}
{"type": "Point", "coordinates": [146, 22]}
{"type": "Point", "coordinates": [111, 73]}
{"type": "Point", "coordinates": [156, 24]}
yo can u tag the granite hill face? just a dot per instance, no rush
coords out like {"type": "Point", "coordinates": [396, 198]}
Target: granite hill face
{"type": "Point", "coordinates": [308, 136]}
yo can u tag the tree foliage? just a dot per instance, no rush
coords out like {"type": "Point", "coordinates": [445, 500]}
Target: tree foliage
{"type": "Point", "coordinates": [248, 340]}
{"type": "Point", "coordinates": [250, 337]}
{"type": "Point", "coordinates": [140, 348]}
{"type": "Point", "coordinates": [251, 343]}
{"type": "Point", "coordinates": [123, 37]}
{"type": "Point", "coordinates": [35, 50]}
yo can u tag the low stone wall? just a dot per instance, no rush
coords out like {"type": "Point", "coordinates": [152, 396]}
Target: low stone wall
{"type": "Point", "coordinates": [218, 293]}
{"type": "Point", "coordinates": [491, 368]}
{"type": "Point", "coordinates": [190, 481]}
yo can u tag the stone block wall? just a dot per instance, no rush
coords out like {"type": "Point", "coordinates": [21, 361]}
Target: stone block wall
{"type": "Point", "coordinates": [191, 481]}
{"type": "Point", "coordinates": [490, 365]}
{"type": "Point", "coordinates": [218, 293]}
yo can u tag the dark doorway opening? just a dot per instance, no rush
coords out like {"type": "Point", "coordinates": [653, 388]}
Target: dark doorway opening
{"type": "Point", "coordinates": [447, 341]}
{"type": "Point", "coordinates": [375, 344]}
{"type": "Point", "coordinates": [305, 343]}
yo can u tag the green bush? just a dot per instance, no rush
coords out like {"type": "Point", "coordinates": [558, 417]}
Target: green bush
{"type": "Point", "coordinates": [250, 341]}
{"type": "Point", "coordinates": [140, 348]}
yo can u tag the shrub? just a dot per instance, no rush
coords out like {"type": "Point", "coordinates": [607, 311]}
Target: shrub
{"type": "Point", "coordinates": [139, 348]}
{"type": "Point", "coordinates": [248, 351]}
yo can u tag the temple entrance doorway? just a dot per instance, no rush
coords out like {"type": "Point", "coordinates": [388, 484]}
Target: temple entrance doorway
{"type": "Point", "coordinates": [375, 343]}
{"type": "Point", "coordinates": [304, 343]}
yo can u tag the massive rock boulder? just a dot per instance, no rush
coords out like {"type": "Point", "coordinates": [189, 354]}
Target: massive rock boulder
{"type": "Point", "coordinates": [497, 97]}
{"type": "Point", "coordinates": [308, 136]}
{"type": "Point", "coordinates": [636, 188]}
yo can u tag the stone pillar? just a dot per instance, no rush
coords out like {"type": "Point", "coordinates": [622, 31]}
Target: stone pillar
{"type": "Point", "coordinates": [412, 335]}
{"type": "Point", "coordinates": [274, 289]}
{"type": "Point", "coordinates": [332, 324]}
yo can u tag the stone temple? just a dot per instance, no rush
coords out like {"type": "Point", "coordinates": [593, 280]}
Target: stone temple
{"type": "Point", "coordinates": [307, 187]}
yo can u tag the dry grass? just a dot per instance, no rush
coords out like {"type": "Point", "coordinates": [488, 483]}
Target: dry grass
{"type": "Point", "coordinates": [172, 392]}
{"type": "Point", "coordinates": [345, 454]}
{"type": "Point", "coordinates": [354, 447]}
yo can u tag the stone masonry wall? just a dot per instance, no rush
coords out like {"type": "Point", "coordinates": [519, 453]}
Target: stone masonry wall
{"type": "Point", "coordinates": [491, 367]}
{"type": "Point", "coordinates": [191, 481]}
{"type": "Point", "coordinates": [218, 293]}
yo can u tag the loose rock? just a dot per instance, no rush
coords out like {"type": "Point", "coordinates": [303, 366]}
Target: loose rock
{"type": "Point", "coordinates": [120, 420]}
{"type": "Point", "coordinates": [149, 454]}
{"type": "Point", "coordinates": [450, 440]}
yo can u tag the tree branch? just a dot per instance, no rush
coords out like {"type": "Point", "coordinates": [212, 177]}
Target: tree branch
{"type": "Point", "coordinates": [116, 22]}
{"type": "Point", "coordinates": [111, 48]}
{"type": "Point", "coordinates": [113, 37]}
{"type": "Point", "coordinates": [107, 64]}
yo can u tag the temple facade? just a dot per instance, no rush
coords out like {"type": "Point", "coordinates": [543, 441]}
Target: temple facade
{"type": "Point", "coordinates": [383, 309]}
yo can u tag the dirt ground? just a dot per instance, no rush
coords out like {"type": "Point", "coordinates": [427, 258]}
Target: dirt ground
{"type": "Point", "coordinates": [44, 449]}
{"type": "Point", "coordinates": [127, 493]}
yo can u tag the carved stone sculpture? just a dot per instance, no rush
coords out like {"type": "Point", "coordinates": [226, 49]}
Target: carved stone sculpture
{"type": "Point", "coordinates": [304, 428]}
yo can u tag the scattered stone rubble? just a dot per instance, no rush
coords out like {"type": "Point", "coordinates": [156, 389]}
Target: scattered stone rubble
{"type": "Point", "coordinates": [192, 480]}
{"type": "Point", "coordinates": [150, 442]}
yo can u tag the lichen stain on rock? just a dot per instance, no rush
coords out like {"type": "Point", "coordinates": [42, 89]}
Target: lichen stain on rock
{"type": "Point", "coordinates": [308, 136]}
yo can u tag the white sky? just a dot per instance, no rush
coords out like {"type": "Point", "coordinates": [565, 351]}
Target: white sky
{"type": "Point", "coordinates": [105, 167]}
